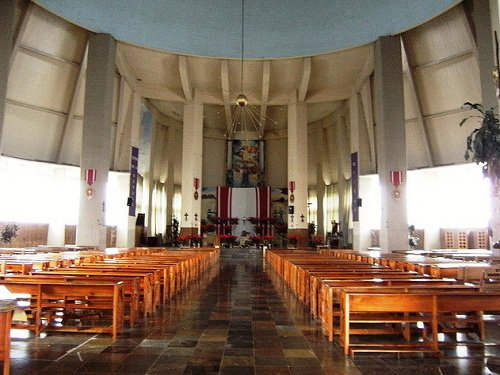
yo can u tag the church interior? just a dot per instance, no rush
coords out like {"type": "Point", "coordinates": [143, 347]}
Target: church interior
{"type": "Point", "coordinates": [253, 187]}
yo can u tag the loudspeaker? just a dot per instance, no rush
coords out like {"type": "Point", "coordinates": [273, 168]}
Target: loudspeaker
{"type": "Point", "coordinates": [359, 202]}
{"type": "Point", "coordinates": [130, 201]}
{"type": "Point", "coordinates": [141, 220]}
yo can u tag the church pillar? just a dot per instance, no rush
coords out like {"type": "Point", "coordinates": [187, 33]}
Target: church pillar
{"type": "Point", "coordinates": [7, 25]}
{"type": "Point", "coordinates": [297, 169]}
{"type": "Point", "coordinates": [96, 140]}
{"type": "Point", "coordinates": [342, 176]}
{"type": "Point", "coordinates": [354, 125]}
{"type": "Point", "coordinates": [169, 183]}
{"type": "Point", "coordinates": [192, 151]}
{"type": "Point", "coordinates": [391, 143]}
{"type": "Point", "coordinates": [320, 194]}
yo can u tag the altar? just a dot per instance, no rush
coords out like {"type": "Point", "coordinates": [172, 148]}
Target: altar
{"type": "Point", "coordinates": [243, 204]}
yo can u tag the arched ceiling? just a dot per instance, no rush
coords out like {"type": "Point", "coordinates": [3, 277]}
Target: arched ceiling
{"type": "Point", "coordinates": [46, 86]}
{"type": "Point", "coordinates": [273, 28]}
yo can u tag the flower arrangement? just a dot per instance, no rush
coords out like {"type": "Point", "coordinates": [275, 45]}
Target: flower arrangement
{"type": "Point", "coordinates": [293, 239]}
{"type": "Point", "coordinates": [195, 239]}
{"type": "Point", "coordinates": [268, 240]}
{"type": "Point", "coordinates": [317, 240]}
{"type": "Point", "coordinates": [208, 228]}
{"type": "Point", "coordinates": [256, 240]}
{"type": "Point", "coordinates": [184, 239]}
{"type": "Point", "coordinates": [227, 239]}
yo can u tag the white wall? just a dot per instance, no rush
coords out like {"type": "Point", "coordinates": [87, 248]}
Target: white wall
{"type": "Point", "coordinates": [276, 162]}
{"type": "Point", "coordinates": [214, 162]}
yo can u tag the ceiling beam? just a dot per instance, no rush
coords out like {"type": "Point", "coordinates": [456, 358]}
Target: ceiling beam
{"type": "Point", "coordinates": [45, 56]}
{"type": "Point", "coordinates": [21, 30]}
{"type": "Point", "coordinates": [266, 80]}
{"type": "Point", "coordinates": [304, 81]}
{"type": "Point", "coordinates": [452, 59]}
{"type": "Point", "coordinates": [185, 80]}
{"type": "Point", "coordinates": [68, 122]}
{"type": "Point", "coordinates": [418, 103]}
{"type": "Point", "coordinates": [124, 68]}
{"type": "Point", "coordinates": [224, 77]}
{"type": "Point", "coordinates": [364, 73]}
{"type": "Point", "coordinates": [152, 91]}
{"type": "Point", "coordinates": [328, 95]}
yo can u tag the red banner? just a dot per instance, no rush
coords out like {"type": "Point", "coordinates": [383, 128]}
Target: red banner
{"type": "Point", "coordinates": [396, 178]}
{"type": "Point", "coordinates": [90, 176]}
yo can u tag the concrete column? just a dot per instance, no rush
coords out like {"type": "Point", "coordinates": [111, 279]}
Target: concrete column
{"type": "Point", "coordinates": [297, 167]}
{"type": "Point", "coordinates": [391, 142]}
{"type": "Point", "coordinates": [126, 238]}
{"type": "Point", "coordinates": [169, 183]}
{"type": "Point", "coordinates": [192, 152]}
{"type": "Point", "coordinates": [55, 235]}
{"type": "Point", "coordinates": [355, 125]}
{"type": "Point", "coordinates": [96, 139]}
{"type": "Point", "coordinates": [7, 26]}
{"type": "Point", "coordinates": [343, 173]}
{"type": "Point", "coordinates": [151, 177]}
{"type": "Point", "coordinates": [361, 231]}
{"type": "Point", "coordinates": [320, 194]}
{"type": "Point", "coordinates": [486, 20]}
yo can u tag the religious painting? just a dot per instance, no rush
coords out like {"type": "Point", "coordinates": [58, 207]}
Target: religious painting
{"type": "Point", "coordinates": [245, 163]}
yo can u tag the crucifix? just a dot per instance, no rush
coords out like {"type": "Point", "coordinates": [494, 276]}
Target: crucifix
{"type": "Point", "coordinates": [291, 218]}
{"type": "Point", "coordinates": [186, 216]}
{"type": "Point", "coordinates": [302, 217]}
{"type": "Point", "coordinates": [195, 217]}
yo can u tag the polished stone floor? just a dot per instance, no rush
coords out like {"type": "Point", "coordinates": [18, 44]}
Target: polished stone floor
{"type": "Point", "coordinates": [238, 319]}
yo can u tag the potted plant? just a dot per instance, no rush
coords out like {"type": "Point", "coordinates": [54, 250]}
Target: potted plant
{"type": "Point", "coordinates": [293, 239]}
{"type": "Point", "coordinates": [483, 144]}
{"type": "Point", "coordinates": [195, 240]}
{"type": "Point", "coordinates": [256, 240]}
{"type": "Point", "coordinates": [412, 237]}
{"type": "Point", "coordinates": [8, 233]}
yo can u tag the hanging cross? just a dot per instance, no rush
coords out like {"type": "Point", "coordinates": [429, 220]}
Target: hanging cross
{"type": "Point", "coordinates": [302, 217]}
{"type": "Point", "coordinates": [195, 217]}
{"type": "Point", "coordinates": [186, 216]}
{"type": "Point", "coordinates": [291, 218]}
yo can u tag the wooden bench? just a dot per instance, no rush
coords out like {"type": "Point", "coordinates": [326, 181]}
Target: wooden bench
{"type": "Point", "coordinates": [331, 307]}
{"type": "Point", "coordinates": [131, 287]}
{"type": "Point", "coordinates": [430, 308]}
{"type": "Point", "coordinates": [148, 281]}
{"type": "Point", "coordinates": [48, 296]}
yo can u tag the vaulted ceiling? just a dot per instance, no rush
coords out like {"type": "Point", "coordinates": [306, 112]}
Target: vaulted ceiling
{"type": "Point", "coordinates": [44, 107]}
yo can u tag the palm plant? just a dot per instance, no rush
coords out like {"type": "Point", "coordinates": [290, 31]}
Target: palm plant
{"type": "Point", "coordinates": [483, 144]}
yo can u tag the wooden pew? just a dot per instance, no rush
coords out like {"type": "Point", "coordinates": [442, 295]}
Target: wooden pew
{"type": "Point", "coordinates": [131, 287]}
{"type": "Point", "coordinates": [50, 295]}
{"type": "Point", "coordinates": [148, 281]}
{"type": "Point", "coordinates": [331, 307]}
{"type": "Point", "coordinates": [431, 308]}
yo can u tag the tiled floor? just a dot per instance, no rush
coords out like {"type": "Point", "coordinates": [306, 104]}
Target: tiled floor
{"type": "Point", "coordinates": [239, 320]}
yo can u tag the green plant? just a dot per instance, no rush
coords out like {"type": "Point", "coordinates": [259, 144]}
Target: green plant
{"type": "Point", "coordinates": [8, 232]}
{"type": "Point", "coordinates": [484, 142]}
